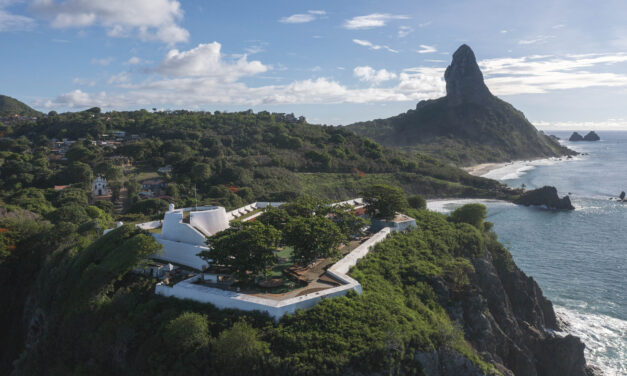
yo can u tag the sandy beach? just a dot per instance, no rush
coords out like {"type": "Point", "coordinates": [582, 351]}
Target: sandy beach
{"type": "Point", "coordinates": [484, 168]}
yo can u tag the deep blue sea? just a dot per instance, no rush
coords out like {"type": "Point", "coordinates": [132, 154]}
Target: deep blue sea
{"type": "Point", "coordinates": [578, 258]}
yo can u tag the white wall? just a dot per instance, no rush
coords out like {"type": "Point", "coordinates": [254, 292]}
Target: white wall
{"type": "Point", "coordinates": [180, 253]}
{"type": "Point", "coordinates": [209, 222]}
{"type": "Point", "coordinates": [175, 230]}
{"type": "Point", "coordinates": [276, 308]}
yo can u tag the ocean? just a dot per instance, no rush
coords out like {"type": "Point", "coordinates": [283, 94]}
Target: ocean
{"type": "Point", "coordinates": [578, 258]}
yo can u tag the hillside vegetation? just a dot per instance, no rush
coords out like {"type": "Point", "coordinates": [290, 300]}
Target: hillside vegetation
{"type": "Point", "coordinates": [11, 106]}
{"type": "Point", "coordinates": [230, 158]}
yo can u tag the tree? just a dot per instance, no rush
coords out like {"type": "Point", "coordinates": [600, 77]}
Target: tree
{"type": "Point", "coordinates": [473, 214]}
{"type": "Point", "coordinates": [312, 238]}
{"type": "Point", "coordinates": [201, 172]}
{"type": "Point", "coordinates": [78, 172]}
{"type": "Point", "coordinates": [349, 223]}
{"type": "Point", "coordinates": [417, 202]}
{"type": "Point", "coordinates": [188, 331]}
{"type": "Point", "coordinates": [239, 351]}
{"type": "Point", "coordinates": [246, 249]}
{"type": "Point", "coordinates": [275, 217]}
{"type": "Point", "coordinates": [383, 201]}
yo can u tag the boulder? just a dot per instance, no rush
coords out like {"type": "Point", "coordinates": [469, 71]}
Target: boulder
{"type": "Point", "coordinates": [591, 136]}
{"type": "Point", "coordinates": [575, 137]}
{"type": "Point", "coordinates": [545, 196]}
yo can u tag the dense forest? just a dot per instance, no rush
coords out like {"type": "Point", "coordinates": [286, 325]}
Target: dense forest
{"type": "Point", "coordinates": [219, 158]}
{"type": "Point", "coordinates": [88, 315]}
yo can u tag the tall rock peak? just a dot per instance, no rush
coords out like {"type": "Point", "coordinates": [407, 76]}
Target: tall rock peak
{"type": "Point", "coordinates": [464, 80]}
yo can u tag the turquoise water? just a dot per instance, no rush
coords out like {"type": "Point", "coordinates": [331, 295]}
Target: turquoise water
{"type": "Point", "coordinates": [578, 258]}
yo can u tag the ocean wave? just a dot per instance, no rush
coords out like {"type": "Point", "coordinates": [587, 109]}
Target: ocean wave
{"type": "Point", "coordinates": [515, 170]}
{"type": "Point", "coordinates": [605, 338]}
{"type": "Point", "coordinates": [448, 205]}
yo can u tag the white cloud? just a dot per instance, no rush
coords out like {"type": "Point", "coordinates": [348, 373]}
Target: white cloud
{"type": "Point", "coordinates": [371, 21]}
{"type": "Point", "coordinates": [424, 49]}
{"type": "Point", "coordinates": [13, 22]}
{"type": "Point", "coordinates": [202, 76]}
{"type": "Point", "coordinates": [404, 31]}
{"type": "Point", "coordinates": [369, 74]}
{"type": "Point", "coordinates": [608, 125]}
{"type": "Point", "coordinates": [102, 61]}
{"type": "Point", "coordinates": [83, 81]}
{"type": "Point", "coordinates": [206, 60]}
{"type": "Point", "coordinates": [303, 17]}
{"type": "Point", "coordinates": [133, 61]}
{"type": "Point", "coordinates": [373, 46]}
{"type": "Point", "coordinates": [544, 73]}
{"type": "Point", "coordinates": [537, 40]}
{"type": "Point", "coordinates": [120, 78]}
{"type": "Point", "coordinates": [147, 19]}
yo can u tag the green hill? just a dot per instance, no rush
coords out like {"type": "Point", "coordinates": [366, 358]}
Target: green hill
{"type": "Point", "coordinates": [11, 106]}
{"type": "Point", "coordinates": [467, 126]}
{"type": "Point", "coordinates": [260, 156]}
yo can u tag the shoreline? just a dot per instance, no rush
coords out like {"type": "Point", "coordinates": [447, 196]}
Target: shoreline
{"type": "Point", "coordinates": [484, 168]}
{"type": "Point", "coordinates": [512, 169]}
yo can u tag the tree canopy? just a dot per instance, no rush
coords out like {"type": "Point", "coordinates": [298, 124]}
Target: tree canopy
{"type": "Point", "coordinates": [247, 250]}
{"type": "Point", "coordinates": [383, 201]}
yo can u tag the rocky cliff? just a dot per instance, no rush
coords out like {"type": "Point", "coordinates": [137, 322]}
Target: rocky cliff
{"type": "Point", "coordinates": [467, 126]}
{"type": "Point", "coordinates": [508, 320]}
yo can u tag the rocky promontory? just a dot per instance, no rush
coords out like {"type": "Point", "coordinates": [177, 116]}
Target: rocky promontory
{"type": "Point", "coordinates": [545, 196]}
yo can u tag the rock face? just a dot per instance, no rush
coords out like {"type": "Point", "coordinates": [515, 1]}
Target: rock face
{"type": "Point", "coordinates": [509, 322]}
{"type": "Point", "coordinates": [575, 137]}
{"type": "Point", "coordinates": [592, 136]}
{"type": "Point", "coordinates": [464, 80]}
{"type": "Point", "coordinates": [546, 196]}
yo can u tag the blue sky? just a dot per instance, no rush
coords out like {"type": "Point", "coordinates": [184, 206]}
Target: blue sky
{"type": "Point", "coordinates": [563, 63]}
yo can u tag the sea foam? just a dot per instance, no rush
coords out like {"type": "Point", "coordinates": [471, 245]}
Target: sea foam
{"type": "Point", "coordinates": [605, 338]}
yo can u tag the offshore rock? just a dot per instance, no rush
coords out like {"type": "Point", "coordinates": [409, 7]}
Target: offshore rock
{"type": "Point", "coordinates": [575, 137]}
{"type": "Point", "coordinates": [545, 196]}
{"type": "Point", "coordinates": [592, 136]}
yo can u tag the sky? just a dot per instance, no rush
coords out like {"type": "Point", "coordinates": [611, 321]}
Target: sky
{"type": "Point", "coordinates": [563, 63]}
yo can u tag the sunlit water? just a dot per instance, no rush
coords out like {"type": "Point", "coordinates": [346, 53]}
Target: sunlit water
{"type": "Point", "coordinates": [579, 258]}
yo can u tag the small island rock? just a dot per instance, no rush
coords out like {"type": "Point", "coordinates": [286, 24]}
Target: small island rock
{"type": "Point", "coordinates": [575, 137]}
{"type": "Point", "coordinates": [546, 196]}
{"type": "Point", "coordinates": [592, 136]}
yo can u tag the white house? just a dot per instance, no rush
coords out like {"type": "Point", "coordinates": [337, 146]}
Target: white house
{"type": "Point", "coordinates": [99, 187]}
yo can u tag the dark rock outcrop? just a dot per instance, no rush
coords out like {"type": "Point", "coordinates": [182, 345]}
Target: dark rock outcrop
{"type": "Point", "coordinates": [464, 80]}
{"type": "Point", "coordinates": [507, 320]}
{"type": "Point", "coordinates": [591, 136]}
{"type": "Point", "coordinates": [545, 196]}
{"type": "Point", "coordinates": [575, 137]}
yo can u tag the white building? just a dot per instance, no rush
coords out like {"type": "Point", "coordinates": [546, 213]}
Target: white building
{"type": "Point", "coordinates": [99, 187]}
{"type": "Point", "coordinates": [184, 232]}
